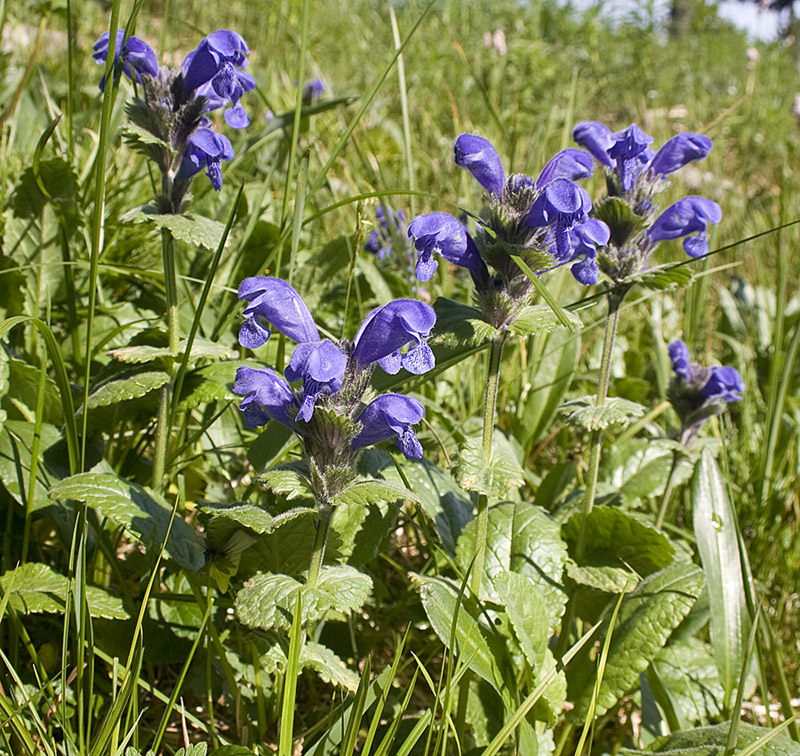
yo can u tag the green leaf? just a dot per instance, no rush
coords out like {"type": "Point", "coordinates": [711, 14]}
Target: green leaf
{"type": "Point", "coordinates": [619, 542]}
{"type": "Point", "coordinates": [22, 391]}
{"type": "Point", "coordinates": [328, 666]}
{"type": "Point", "coordinates": [718, 546]}
{"type": "Point", "coordinates": [136, 134]}
{"type": "Point", "coordinates": [458, 324]}
{"type": "Point", "coordinates": [201, 348]}
{"type": "Point", "coordinates": [439, 601]}
{"type": "Point", "coordinates": [615, 414]}
{"type": "Point", "coordinates": [639, 468]}
{"type": "Point", "coordinates": [38, 589]}
{"type": "Point", "coordinates": [618, 215]}
{"type": "Point", "coordinates": [495, 479]}
{"type": "Point", "coordinates": [133, 386]}
{"type": "Point", "coordinates": [245, 515]}
{"type": "Point", "coordinates": [366, 492]}
{"type": "Point", "coordinates": [647, 617]}
{"type": "Point", "coordinates": [549, 380]}
{"type": "Point", "coordinates": [685, 674]}
{"type": "Point", "coordinates": [268, 601]}
{"type": "Point", "coordinates": [525, 540]}
{"type": "Point", "coordinates": [362, 530]}
{"type": "Point", "coordinates": [143, 513]}
{"type": "Point", "coordinates": [538, 318]}
{"type": "Point", "coordinates": [663, 277]}
{"type": "Point", "coordinates": [192, 229]}
{"type": "Point", "coordinates": [287, 482]}
{"type": "Point", "coordinates": [712, 741]}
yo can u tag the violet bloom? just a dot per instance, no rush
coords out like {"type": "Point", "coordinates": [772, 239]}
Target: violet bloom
{"type": "Point", "coordinates": [560, 206]}
{"type": "Point", "coordinates": [207, 149]}
{"type": "Point", "coordinates": [268, 397]}
{"type": "Point", "coordinates": [583, 241]}
{"type": "Point", "coordinates": [698, 392]}
{"type": "Point", "coordinates": [390, 223]}
{"type": "Point", "coordinates": [690, 215]}
{"type": "Point", "coordinates": [480, 158]}
{"type": "Point", "coordinates": [444, 235]}
{"type": "Point", "coordinates": [388, 416]}
{"type": "Point", "coordinates": [312, 91]}
{"type": "Point", "coordinates": [213, 70]}
{"type": "Point", "coordinates": [136, 55]}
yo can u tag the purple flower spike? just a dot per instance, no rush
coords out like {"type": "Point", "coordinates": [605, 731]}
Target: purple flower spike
{"type": "Point", "coordinates": [274, 300]}
{"type": "Point", "coordinates": [679, 356]}
{"type": "Point", "coordinates": [595, 137]}
{"type": "Point", "coordinates": [631, 153]}
{"type": "Point", "coordinates": [389, 328]}
{"type": "Point", "coordinates": [569, 164]}
{"type": "Point", "coordinates": [560, 206]}
{"type": "Point", "coordinates": [206, 149]}
{"type": "Point", "coordinates": [690, 215]}
{"type": "Point", "coordinates": [268, 397]}
{"type": "Point", "coordinates": [321, 366]}
{"type": "Point", "coordinates": [477, 155]}
{"type": "Point", "coordinates": [724, 384]}
{"type": "Point", "coordinates": [391, 415]}
{"type": "Point", "coordinates": [679, 151]}
{"type": "Point", "coordinates": [443, 234]}
{"type": "Point", "coordinates": [214, 51]}
{"type": "Point", "coordinates": [137, 57]}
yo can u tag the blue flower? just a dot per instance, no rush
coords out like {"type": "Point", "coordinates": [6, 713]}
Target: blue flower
{"type": "Point", "coordinates": [387, 416]}
{"type": "Point", "coordinates": [321, 367]}
{"type": "Point", "coordinates": [698, 392]}
{"type": "Point", "coordinates": [690, 215]}
{"type": "Point", "coordinates": [312, 90]}
{"type": "Point", "coordinates": [443, 235]}
{"type": "Point", "coordinates": [560, 206]}
{"type": "Point", "coordinates": [477, 155]}
{"type": "Point", "coordinates": [137, 57]}
{"type": "Point", "coordinates": [213, 70]}
{"type": "Point", "coordinates": [205, 148]}
{"type": "Point", "coordinates": [387, 329]}
{"type": "Point", "coordinates": [268, 397]}
{"type": "Point", "coordinates": [583, 241]}
{"type": "Point", "coordinates": [379, 242]}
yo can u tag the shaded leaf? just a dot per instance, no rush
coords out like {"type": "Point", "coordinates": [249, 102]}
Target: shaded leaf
{"type": "Point", "coordinates": [494, 479]}
{"type": "Point", "coordinates": [537, 318]}
{"type": "Point", "coordinates": [365, 492]}
{"type": "Point", "coordinates": [124, 389]}
{"type": "Point", "coordinates": [192, 229]}
{"type": "Point", "coordinates": [615, 414]}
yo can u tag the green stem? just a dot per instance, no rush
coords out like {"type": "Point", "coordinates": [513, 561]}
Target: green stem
{"type": "Point", "coordinates": [174, 336]}
{"type": "Point", "coordinates": [489, 405]}
{"type": "Point", "coordinates": [318, 553]}
{"type": "Point", "coordinates": [596, 445]}
{"type": "Point", "coordinates": [662, 513]}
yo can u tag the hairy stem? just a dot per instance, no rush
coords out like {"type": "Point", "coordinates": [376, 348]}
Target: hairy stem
{"type": "Point", "coordinates": [662, 513]}
{"type": "Point", "coordinates": [489, 405]}
{"type": "Point", "coordinates": [318, 553]}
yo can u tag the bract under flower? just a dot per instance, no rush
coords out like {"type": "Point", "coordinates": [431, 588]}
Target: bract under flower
{"type": "Point", "coordinates": [391, 415]}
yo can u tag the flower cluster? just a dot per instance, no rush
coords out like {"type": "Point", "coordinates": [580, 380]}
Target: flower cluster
{"type": "Point", "coordinates": [698, 392]}
{"type": "Point", "coordinates": [634, 173]}
{"type": "Point", "coordinates": [544, 221]}
{"type": "Point", "coordinates": [390, 230]}
{"type": "Point", "coordinates": [326, 407]}
{"type": "Point", "coordinates": [176, 102]}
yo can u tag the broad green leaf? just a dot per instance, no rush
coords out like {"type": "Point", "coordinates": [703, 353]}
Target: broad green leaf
{"type": "Point", "coordinates": [38, 589]}
{"type": "Point", "coordinates": [362, 530]}
{"type": "Point", "coordinates": [245, 515]}
{"type": "Point", "coordinates": [537, 318]}
{"type": "Point", "coordinates": [522, 539]}
{"type": "Point", "coordinates": [663, 277]}
{"type": "Point", "coordinates": [344, 587]}
{"type": "Point", "coordinates": [717, 543]}
{"type": "Point", "coordinates": [22, 392]}
{"type": "Point", "coordinates": [548, 382]}
{"type": "Point", "coordinates": [647, 617]}
{"type": "Point", "coordinates": [192, 229]}
{"type": "Point", "coordinates": [496, 478]}
{"type": "Point", "coordinates": [130, 387]}
{"type": "Point", "coordinates": [712, 741]}
{"type": "Point", "coordinates": [201, 348]}
{"type": "Point", "coordinates": [619, 542]}
{"type": "Point", "coordinates": [328, 666]}
{"type": "Point", "coordinates": [440, 601]}
{"type": "Point", "coordinates": [614, 415]}
{"type": "Point", "coordinates": [639, 468]}
{"type": "Point", "coordinates": [366, 492]}
{"type": "Point", "coordinates": [290, 481]}
{"type": "Point", "coordinates": [527, 610]}
{"type": "Point", "coordinates": [686, 675]}
{"type": "Point", "coordinates": [4, 372]}
{"type": "Point", "coordinates": [143, 513]}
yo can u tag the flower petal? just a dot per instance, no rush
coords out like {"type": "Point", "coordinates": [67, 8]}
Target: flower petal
{"type": "Point", "coordinates": [477, 155]}
{"type": "Point", "coordinates": [389, 328]}
{"type": "Point", "coordinates": [679, 151]}
{"type": "Point", "coordinates": [391, 415]}
{"type": "Point", "coordinates": [276, 301]}
{"type": "Point", "coordinates": [569, 164]}
{"type": "Point", "coordinates": [442, 234]}
{"type": "Point", "coordinates": [595, 137]}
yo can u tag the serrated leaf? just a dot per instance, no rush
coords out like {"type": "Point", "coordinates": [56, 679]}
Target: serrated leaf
{"type": "Point", "coordinates": [38, 589]}
{"type": "Point", "coordinates": [246, 515]}
{"type": "Point", "coordinates": [494, 479]}
{"type": "Point", "coordinates": [362, 530]}
{"type": "Point", "coordinates": [136, 133]}
{"type": "Point", "coordinates": [328, 666]}
{"type": "Point", "coordinates": [639, 468]}
{"type": "Point", "coordinates": [268, 601]}
{"type": "Point", "coordinates": [125, 389]}
{"type": "Point", "coordinates": [22, 391]}
{"type": "Point", "coordinates": [143, 513]}
{"type": "Point", "coordinates": [192, 229]}
{"type": "Point", "coordinates": [538, 318]}
{"type": "Point", "coordinates": [647, 617]}
{"type": "Point", "coordinates": [523, 539]}
{"type": "Point", "coordinates": [366, 492]}
{"type": "Point", "coordinates": [718, 546]}
{"type": "Point", "coordinates": [664, 277]}
{"type": "Point", "coordinates": [615, 414]}
{"type": "Point", "coordinates": [712, 741]}
{"type": "Point", "coordinates": [619, 541]}
{"type": "Point", "coordinates": [439, 602]}
{"type": "Point", "coordinates": [289, 481]}
{"type": "Point", "coordinates": [201, 348]}
{"type": "Point", "coordinates": [458, 324]}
